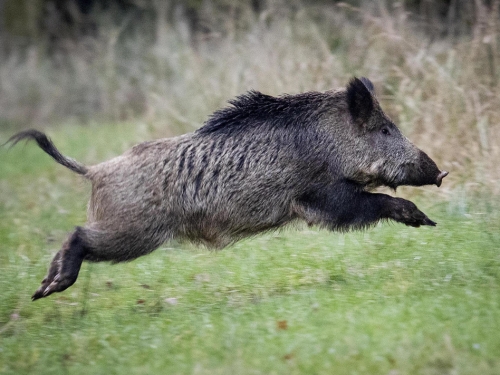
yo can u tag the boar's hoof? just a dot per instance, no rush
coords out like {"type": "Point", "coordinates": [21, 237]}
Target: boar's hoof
{"type": "Point", "coordinates": [407, 213]}
{"type": "Point", "coordinates": [420, 221]}
{"type": "Point", "coordinates": [58, 284]}
{"type": "Point", "coordinates": [440, 177]}
{"type": "Point", "coordinates": [427, 221]}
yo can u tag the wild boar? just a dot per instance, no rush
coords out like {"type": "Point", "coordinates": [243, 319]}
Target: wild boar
{"type": "Point", "coordinates": [254, 166]}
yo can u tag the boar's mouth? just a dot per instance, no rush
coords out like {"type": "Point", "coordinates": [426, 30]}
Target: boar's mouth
{"type": "Point", "coordinates": [423, 172]}
{"type": "Point", "coordinates": [420, 179]}
{"type": "Point", "coordinates": [420, 172]}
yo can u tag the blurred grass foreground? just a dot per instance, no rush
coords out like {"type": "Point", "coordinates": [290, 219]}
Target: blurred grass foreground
{"type": "Point", "coordinates": [99, 76]}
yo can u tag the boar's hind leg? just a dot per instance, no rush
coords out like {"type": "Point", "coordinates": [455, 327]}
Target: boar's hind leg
{"type": "Point", "coordinates": [123, 244]}
{"type": "Point", "coordinates": [65, 266]}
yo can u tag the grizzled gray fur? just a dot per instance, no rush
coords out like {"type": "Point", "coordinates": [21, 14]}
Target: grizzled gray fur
{"type": "Point", "coordinates": [257, 165]}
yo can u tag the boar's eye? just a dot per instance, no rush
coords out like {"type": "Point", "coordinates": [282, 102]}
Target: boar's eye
{"type": "Point", "coordinates": [385, 131]}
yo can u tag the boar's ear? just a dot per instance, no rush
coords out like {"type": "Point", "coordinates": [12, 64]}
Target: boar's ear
{"type": "Point", "coordinates": [368, 84]}
{"type": "Point", "coordinates": [360, 99]}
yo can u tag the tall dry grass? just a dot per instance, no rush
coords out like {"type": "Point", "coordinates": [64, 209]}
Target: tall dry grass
{"type": "Point", "coordinates": [443, 92]}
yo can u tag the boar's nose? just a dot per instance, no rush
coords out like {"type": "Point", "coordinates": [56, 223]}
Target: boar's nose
{"type": "Point", "coordinates": [440, 177]}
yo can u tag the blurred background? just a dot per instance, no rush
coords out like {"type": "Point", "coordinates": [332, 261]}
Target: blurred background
{"type": "Point", "coordinates": [166, 65]}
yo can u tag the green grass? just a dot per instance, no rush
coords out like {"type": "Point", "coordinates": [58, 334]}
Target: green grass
{"type": "Point", "coordinates": [391, 300]}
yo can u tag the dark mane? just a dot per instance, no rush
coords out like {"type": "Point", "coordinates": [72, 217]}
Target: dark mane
{"type": "Point", "coordinates": [256, 109]}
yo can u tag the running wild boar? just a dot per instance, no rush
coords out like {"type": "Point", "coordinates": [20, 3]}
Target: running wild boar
{"type": "Point", "coordinates": [255, 166]}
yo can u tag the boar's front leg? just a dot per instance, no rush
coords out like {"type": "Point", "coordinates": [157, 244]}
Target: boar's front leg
{"type": "Point", "coordinates": [346, 206]}
{"type": "Point", "coordinates": [405, 212]}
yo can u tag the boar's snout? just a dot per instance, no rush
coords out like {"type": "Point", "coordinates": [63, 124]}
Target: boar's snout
{"type": "Point", "coordinates": [426, 172]}
{"type": "Point", "coordinates": [431, 173]}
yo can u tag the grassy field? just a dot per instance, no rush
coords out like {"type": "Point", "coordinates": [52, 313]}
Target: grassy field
{"type": "Point", "coordinates": [392, 300]}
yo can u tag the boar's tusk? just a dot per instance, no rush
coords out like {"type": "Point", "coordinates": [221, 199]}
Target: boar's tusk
{"type": "Point", "coordinates": [440, 177]}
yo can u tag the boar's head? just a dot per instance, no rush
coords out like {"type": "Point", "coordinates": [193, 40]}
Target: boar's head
{"type": "Point", "coordinates": [371, 149]}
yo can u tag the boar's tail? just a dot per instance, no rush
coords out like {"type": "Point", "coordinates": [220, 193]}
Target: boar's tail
{"type": "Point", "coordinates": [46, 145]}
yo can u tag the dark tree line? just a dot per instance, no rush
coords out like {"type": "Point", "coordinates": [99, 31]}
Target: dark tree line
{"type": "Point", "coordinates": [26, 21]}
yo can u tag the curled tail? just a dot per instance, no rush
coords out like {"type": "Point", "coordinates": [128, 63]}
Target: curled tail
{"type": "Point", "coordinates": [46, 145]}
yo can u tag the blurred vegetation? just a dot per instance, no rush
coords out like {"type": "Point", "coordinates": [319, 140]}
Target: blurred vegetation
{"type": "Point", "coordinates": [168, 64]}
{"type": "Point", "coordinates": [60, 19]}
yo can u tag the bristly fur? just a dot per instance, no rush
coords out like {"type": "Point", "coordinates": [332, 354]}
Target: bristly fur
{"type": "Point", "coordinates": [254, 109]}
